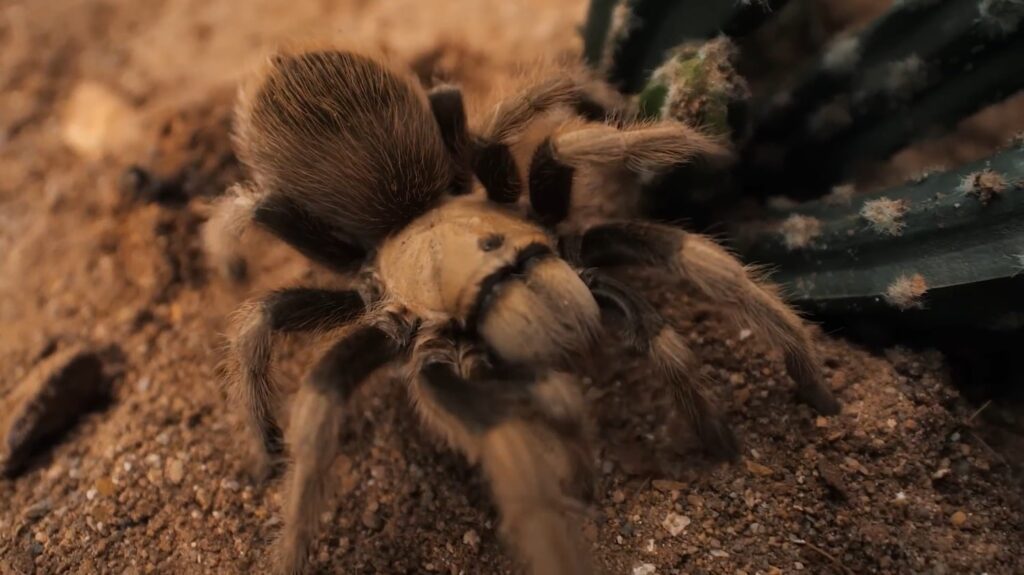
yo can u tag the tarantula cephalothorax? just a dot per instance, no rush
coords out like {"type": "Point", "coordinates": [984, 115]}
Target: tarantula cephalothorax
{"type": "Point", "coordinates": [360, 170]}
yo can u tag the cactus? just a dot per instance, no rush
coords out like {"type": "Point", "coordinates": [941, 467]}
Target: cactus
{"type": "Point", "coordinates": [946, 249]}
{"type": "Point", "coordinates": [698, 85]}
{"type": "Point", "coordinates": [628, 38]}
{"type": "Point", "coordinates": [923, 65]}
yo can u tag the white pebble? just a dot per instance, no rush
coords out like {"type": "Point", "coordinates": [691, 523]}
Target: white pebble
{"type": "Point", "coordinates": [675, 523]}
{"type": "Point", "coordinates": [645, 569]}
{"type": "Point", "coordinates": [90, 494]}
{"type": "Point", "coordinates": [719, 553]}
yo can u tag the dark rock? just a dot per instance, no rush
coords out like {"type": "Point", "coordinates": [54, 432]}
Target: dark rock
{"type": "Point", "coordinates": [832, 477]}
{"type": "Point", "coordinates": [48, 402]}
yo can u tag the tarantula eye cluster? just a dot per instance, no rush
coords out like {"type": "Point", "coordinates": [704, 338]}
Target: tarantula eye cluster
{"type": "Point", "coordinates": [487, 291]}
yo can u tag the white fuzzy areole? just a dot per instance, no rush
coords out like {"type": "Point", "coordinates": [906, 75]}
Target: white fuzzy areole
{"type": "Point", "coordinates": [435, 264]}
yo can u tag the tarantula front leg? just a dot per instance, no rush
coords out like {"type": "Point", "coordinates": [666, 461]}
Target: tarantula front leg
{"type": "Point", "coordinates": [525, 431]}
{"type": "Point", "coordinates": [718, 275]}
{"type": "Point", "coordinates": [316, 418]}
{"type": "Point", "coordinates": [648, 333]}
{"type": "Point", "coordinates": [286, 311]}
{"type": "Point", "coordinates": [637, 150]}
{"type": "Point", "coordinates": [488, 154]}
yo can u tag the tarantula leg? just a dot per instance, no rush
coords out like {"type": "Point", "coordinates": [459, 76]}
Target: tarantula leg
{"type": "Point", "coordinates": [648, 333]}
{"type": "Point", "coordinates": [244, 204]}
{"type": "Point", "coordinates": [550, 185]}
{"type": "Point", "coordinates": [314, 441]}
{"type": "Point", "coordinates": [307, 233]}
{"type": "Point", "coordinates": [720, 276]}
{"type": "Point", "coordinates": [493, 162]}
{"type": "Point", "coordinates": [494, 165]}
{"type": "Point", "coordinates": [285, 311]}
{"type": "Point", "coordinates": [643, 149]}
{"type": "Point", "coordinates": [222, 232]}
{"type": "Point", "coordinates": [507, 427]}
{"type": "Point", "coordinates": [450, 112]}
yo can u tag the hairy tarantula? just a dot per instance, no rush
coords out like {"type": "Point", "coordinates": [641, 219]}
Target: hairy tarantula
{"type": "Point", "coordinates": [489, 296]}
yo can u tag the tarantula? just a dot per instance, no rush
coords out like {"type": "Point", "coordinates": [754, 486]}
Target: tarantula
{"type": "Point", "coordinates": [364, 172]}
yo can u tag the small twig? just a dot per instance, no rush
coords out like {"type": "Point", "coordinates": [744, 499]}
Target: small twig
{"type": "Point", "coordinates": [983, 407]}
{"type": "Point", "coordinates": [643, 486]}
{"type": "Point", "coordinates": [999, 456]}
{"type": "Point", "coordinates": [825, 554]}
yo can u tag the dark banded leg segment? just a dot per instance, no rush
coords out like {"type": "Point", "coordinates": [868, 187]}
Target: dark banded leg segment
{"type": "Point", "coordinates": [450, 112]}
{"type": "Point", "coordinates": [307, 233]}
{"type": "Point", "coordinates": [637, 149]}
{"type": "Point", "coordinates": [316, 419]}
{"type": "Point", "coordinates": [648, 333]}
{"type": "Point", "coordinates": [550, 185]}
{"type": "Point", "coordinates": [494, 165]}
{"type": "Point", "coordinates": [493, 162]}
{"type": "Point", "coordinates": [287, 311]}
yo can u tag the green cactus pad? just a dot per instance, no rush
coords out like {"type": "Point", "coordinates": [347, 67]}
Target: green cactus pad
{"type": "Point", "coordinates": [943, 250]}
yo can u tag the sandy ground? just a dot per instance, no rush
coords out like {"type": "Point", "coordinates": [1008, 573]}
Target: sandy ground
{"type": "Point", "coordinates": [905, 480]}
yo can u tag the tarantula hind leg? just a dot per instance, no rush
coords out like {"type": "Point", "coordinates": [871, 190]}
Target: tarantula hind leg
{"type": "Point", "coordinates": [316, 418]}
{"type": "Point", "coordinates": [245, 204]}
{"type": "Point", "coordinates": [447, 105]}
{"type": "Point", "coordinates": [523, 431]}
{"type": "Point", "coordinates": [286, 311]}
{"type": "Point", "coordinates": [721, 277]}
{"type": "Point", "coordinates": [648, 333]}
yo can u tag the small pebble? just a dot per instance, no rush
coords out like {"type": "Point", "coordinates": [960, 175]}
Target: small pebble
{"type": "Point", "coordinates": [105, 486]}
{"type": "Point", "coordinates": [958, 519]}
{"type": "Point", "coordinates": [719, 553]}
{"type": "Point", "coordinates": [645, 569]}
{"type": "Point", "coordinates": [38, 510]}
{"type": "Point", "coordinates": [203, 499]}
{"type": "Point", "coordinates": [472, 539]}
{"type": "Point", "coordinates": [666, 485]}
{"type": "Point", "coordinates": [175, 471]}
{"type": "Point", "coordinates": [757, 468]}
{"type": "Point", "coordinates": [675, 523]}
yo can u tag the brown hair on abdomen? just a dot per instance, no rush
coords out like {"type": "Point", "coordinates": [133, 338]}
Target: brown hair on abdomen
{"type": "Point", "coordinates": [346, 137]}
